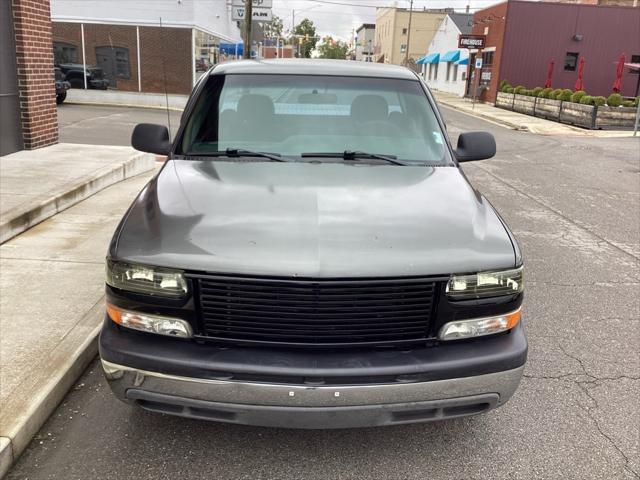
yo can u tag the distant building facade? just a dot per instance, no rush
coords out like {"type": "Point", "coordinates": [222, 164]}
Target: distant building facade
{"type": "Point", "coordinates": [365, 41]}
{"type": "Point", "coordinates": [523, 37]}
{"type": "Point", "coordinates": [444, 66]}
{"type": "Point", "coordinates": [134, 50]}
{"type": "Point", "coordinates": [392, 39]}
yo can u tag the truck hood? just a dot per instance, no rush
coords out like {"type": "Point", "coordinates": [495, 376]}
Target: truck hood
{"type": "Point", "coordinates": [312, 220]}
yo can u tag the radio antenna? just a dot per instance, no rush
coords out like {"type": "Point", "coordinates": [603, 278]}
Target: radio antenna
{"type": "Point", "coordinates": [164, 75]}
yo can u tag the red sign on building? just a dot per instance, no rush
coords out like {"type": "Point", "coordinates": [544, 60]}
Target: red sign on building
{"type": "Point", "coordinates": [471, 41]}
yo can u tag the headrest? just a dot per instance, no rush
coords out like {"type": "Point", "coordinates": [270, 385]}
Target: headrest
{"type": "Point", "coordinates": [369, 107]}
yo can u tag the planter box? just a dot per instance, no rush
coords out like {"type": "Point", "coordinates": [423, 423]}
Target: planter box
{"type": "Point", "coordinates": [547, 108]}
{"type": "Point", "coordinates": [615, 117]}
{"type": "Point", "coordinates": [524, 104]}
{"type": "Point", "coordinates": [578, 114]}
{"type": "Point", "coordinates": [505, 100]}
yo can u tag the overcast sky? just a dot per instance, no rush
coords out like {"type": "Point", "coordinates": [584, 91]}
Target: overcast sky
{"type": "Point", "coordinates": [340, 17]}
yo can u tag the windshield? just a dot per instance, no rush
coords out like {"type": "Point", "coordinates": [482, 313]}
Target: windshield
{"type": "Point", "coordinates": [292, 115]}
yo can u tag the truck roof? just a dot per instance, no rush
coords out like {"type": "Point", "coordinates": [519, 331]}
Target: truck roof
{"type": "Point", "coordinates": [300, 66]}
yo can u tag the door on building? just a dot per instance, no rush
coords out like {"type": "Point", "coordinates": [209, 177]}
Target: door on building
{"type": "Point", "coordinates": [106, 60]}
{"type": "Point", "coordinates": [10, 129]}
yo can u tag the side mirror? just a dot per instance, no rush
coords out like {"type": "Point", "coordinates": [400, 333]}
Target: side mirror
{"type": "Point", "coordinates": [475, 146]}
{"type": "Point", "coordinates": [151, 138]}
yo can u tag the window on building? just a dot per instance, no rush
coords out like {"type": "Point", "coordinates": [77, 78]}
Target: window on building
{"type": "Point", "coordinates": [449, 67]}
{"type": "Point", "coordinates": [487, 59]}
{"type": "Point", "coordinates": [430, 68]}
{"type": "Point", "coordinates": [435, 70]}
{"type": "Point", "coordinates": [455, 72]}
{"type": "Point", "coordinates": [64, 53]}
{"type": "Point", "coordinates": [403, 48]}
{"type": "Point", "coordinates": [635, 59]}
{"type": "Point", "coordinates": [570, 61]}
{"type": "Point", "coordinates": [404, 31]}
{"type": "Point", "coordinates": [464, 76]}
{"type": "Point", "coordinates": [114, 61]}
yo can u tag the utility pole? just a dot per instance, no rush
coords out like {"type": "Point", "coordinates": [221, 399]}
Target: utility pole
{"type": "Point", "coordinates": [406, 53]}
{"type": "Point", "coordinates": [248, 20]}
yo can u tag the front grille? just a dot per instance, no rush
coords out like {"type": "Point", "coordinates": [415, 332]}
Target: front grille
{"type": "Point", "coordinates": [316, 311]}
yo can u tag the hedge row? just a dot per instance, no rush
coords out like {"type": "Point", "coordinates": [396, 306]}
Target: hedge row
{"type": "Point", "coordinates": [566, 95]}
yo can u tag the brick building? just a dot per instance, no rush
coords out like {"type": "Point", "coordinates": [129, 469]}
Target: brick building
{"type": "Point", "coordinates": [523, 37]}
{"type": "Point", "coordinates": [144, 45]}
{"type": "Point", "coordinates": [28, 116]}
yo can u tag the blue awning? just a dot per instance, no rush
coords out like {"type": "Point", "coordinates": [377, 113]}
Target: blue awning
{"type": "Point", "coordinates": [232, 48]}
{"type": "Point", "coordinates": [452, 56]}
{"type": "Point", "coordinates": [463, 61]}
{"type": "Point", "coordinates": [431, 58]}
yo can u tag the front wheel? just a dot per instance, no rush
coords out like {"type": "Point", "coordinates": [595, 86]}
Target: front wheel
{"type": "Point", "coordinates": [61, 97]}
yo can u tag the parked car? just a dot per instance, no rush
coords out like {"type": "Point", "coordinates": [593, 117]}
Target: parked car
{"type": "Point", "coordinates": [74, 72]}
{"type": "Point", "coordinates": [61, 86]}
{"type": "Point", "coordinates": [311, 255]}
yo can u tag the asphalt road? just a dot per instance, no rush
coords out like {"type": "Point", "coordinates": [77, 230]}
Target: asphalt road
{"type": "Point", "coordinates": [100, 125]}
{"type": "Point", "coordinates": [574, 204]}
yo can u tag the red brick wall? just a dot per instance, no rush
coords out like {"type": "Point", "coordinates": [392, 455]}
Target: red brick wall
{"type": "Point", "coordinates": [493, 21]}
{"type": "Point", "coordinates": [169, 45]}
{"type": "Point", "coordinates": [34, 59]}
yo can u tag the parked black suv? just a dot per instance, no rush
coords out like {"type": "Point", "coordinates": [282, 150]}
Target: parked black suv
{"type": "Point", "coordinates": [73, 73]}
{"type": "Point", "coordinates": [312, 256]}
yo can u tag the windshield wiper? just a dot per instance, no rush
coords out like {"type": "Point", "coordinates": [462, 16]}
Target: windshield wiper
{"type": "Point", "coordinates": [237, 153]}
{"type": "Point", "coordinates": [351, 155]}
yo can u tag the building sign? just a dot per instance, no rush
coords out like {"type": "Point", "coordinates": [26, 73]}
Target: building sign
{"type": "Point", "coordinates": [259, 14]}
{"type": "Point", "coordinates": [472, 41]}
{"type": "Point", "coordinates": [256, 3]}
{"type": "Point", "coordinates": [485, 75]}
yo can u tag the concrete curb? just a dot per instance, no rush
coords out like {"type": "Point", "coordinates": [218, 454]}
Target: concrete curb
{"type": "Point", "coordinates": [489, 118]}
{"type": "Point", "coordinates": [31, 403]}
{"type": "Point", "coordinates": [117, 98]}
{"type": "Point", "coordinates": [25, 216]}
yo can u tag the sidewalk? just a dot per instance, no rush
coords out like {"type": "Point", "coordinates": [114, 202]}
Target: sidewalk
{"type": "Point", "coordinates": [36, 184]}
{"type": "Point", "coordinates": [519, 121]}
{"type": "Point", "coordinates": [52, 283]}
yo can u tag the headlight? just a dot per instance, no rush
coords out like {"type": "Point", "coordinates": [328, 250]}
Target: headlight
{"type": "Point", "coordinates": [173, 327]}
{"type": "Point", "coordinates": [479, 327]}
{"type": "Point", "coordinates": [485, 284]}
{"type": "Point", "coordinates": [158, 281]}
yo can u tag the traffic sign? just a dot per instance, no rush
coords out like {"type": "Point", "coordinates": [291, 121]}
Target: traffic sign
{"type": "Point", "coordinates": [478, 63]}
{"type": "Point", "coordinates": [472, 41]}
{"type": "Point", "coordinates": [259, 14]}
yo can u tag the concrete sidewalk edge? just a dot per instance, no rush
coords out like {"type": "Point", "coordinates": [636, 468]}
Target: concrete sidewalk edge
{"type": "Point", "coordinates": [22, 419]}
{"type": "Point", "coordinates": [129, 105]}
{"type": "Point", "coordinates": [25, 216]}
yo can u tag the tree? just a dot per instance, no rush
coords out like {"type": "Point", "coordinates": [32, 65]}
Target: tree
{"type": "Point", "coordinates": [273, 29]}
{"type": "Point", "coordinates": [330, 48]}
{"type": "Point", "coordinates": [304, 38]}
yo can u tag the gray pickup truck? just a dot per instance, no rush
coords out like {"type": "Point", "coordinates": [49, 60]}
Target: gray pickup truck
{"type": "Point", "coordinates": [311, 255]}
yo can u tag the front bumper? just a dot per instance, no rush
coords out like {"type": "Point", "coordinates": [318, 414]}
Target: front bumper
{"type": "Point", "coordinates": [312, 389]}
{"type": "Point", "coordinates": [305, 406]}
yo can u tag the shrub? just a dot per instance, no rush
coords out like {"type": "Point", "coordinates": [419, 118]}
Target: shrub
{"type": "Point", "coordinates": [509, 89]}
{"type": "Point", "coordinates": [545, 93]}
{"type": "Point", "coordinates": [614, 100]}
{"type": "Point", "coordinates": [575, 98]}
{"type": "Point", "coordinates": [503, 84]}
{"type": "Point", "coordinates": [586, 100]}
{"type": "Point", "coordinates": [536, 91]}
{"type": "Point", "coordinates": [565, 95]}
{"type": "Point", "coordinates": [600, 101]}
{"type": "Point", "coordinates": [628, 103]}
{"type": "Point", "coordinates": [636, 102]}
{"type": "Point", "coordinates": [519, 89]}
{"type": "Point", "coordinates": [554, 93]}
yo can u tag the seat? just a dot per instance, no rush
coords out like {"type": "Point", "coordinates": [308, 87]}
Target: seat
{"type": "Point", "coordinates": [369, 108]}
{"type": "Point", "coordinates": [256, 113]}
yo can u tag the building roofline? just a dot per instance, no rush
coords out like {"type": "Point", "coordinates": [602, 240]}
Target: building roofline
{"type": "Point", "coordinates": [137, 23]}
{"type": "Point", "coordinates": [365, 25]}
